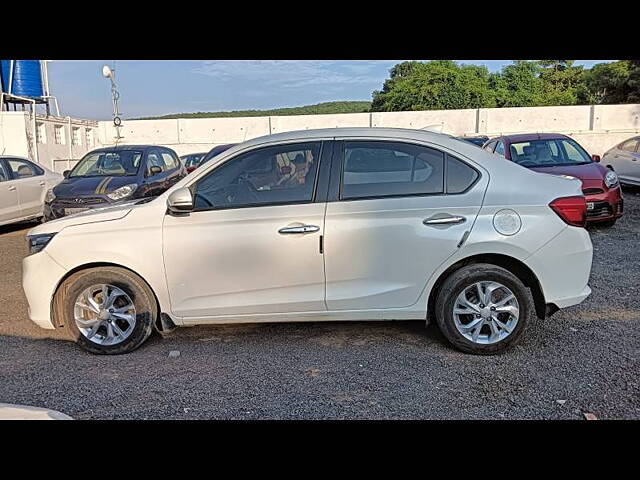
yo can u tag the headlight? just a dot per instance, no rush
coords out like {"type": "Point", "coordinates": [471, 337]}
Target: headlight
{"type": "Point", "coordinates": [611, 179]}
{"type": "Point", "coordinates": [38, 242]}
{"type": "Point", "coordinates": [50, 196]}
{"type": "Point", "coordinates": [123, 192]}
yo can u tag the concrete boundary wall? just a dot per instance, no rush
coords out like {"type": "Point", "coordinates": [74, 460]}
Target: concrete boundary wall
{"type": "Point", "coordinates": [596, 127]}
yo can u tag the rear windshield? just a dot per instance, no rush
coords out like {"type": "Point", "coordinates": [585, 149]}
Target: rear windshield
{"type": "Point", "coordinates": [548, 153]}
{"type": "Point", "coordinates": [117, 163]}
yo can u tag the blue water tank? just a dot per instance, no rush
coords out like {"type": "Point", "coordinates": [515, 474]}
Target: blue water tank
{"type": "Point", "coordinates": [26, 80]}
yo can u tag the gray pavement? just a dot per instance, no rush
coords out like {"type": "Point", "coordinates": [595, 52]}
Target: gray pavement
{"type": "Point", "coordinates": [583, 360]}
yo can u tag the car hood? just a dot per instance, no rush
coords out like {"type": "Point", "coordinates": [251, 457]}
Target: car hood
{"type": "Point", "coordinates": [590, 171]}
{"type": "Point", "coordinates": [103, 214]}
{"type": "Point", "coordinates": [84, 186]}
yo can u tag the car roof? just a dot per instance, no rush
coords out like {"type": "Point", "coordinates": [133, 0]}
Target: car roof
{"type": "Point", "coordinates": [371, 132]}
{"type": "Point", "coordinates": [128, 147]}
{"type": "Point", "coordinates": [525, 137]}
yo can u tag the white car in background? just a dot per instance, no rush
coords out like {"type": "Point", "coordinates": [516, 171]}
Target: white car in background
{"type": "Point", "coordinates": [318, 225]}
{"type": "Point", "coordinates": [624, 159]}
{"type": "Point", "coordinates": [23, 186]}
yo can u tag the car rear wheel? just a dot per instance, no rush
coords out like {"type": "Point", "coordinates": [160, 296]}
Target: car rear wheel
{"type": "Point", "coordinates": [483, 309]}
{"type": "Point", "coordinates": [106, 310]}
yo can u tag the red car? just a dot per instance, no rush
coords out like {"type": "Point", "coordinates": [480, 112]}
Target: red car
{"type": "Point", "coordinates": [561, 155]}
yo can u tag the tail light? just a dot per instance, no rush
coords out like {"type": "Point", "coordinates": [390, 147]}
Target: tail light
{"type": "Point", "coordinates": [573, 210]}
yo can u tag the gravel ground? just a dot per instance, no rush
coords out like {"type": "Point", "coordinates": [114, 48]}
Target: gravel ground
{"type": "Point", "coordinates": [582, 360]}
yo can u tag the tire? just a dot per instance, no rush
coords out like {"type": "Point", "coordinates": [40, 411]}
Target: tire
{"type": "Point", "coordinates": [128, 289]}
{"type": "Point", "coordinates": [457, 283]}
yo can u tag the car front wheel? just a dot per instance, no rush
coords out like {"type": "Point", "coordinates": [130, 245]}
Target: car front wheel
{"type": "Point", "coordinates": [483, 309]}
{"type": "Point", "coordinates": [106, 310]}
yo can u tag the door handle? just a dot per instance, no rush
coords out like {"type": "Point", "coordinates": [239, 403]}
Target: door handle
{"type": "Point", "coordinates": [12, 188]}
{"type": "Point", "coordinates": [450, 220]}
{"type": "Point", "coordinates": [42, 184]}
{"type": "Point", "coordinates": [300, 229]}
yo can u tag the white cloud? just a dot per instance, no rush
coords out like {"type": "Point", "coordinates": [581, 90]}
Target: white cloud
{"type": "Point", "coordinates": [292, 74]}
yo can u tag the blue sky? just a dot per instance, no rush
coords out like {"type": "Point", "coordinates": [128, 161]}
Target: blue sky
{"type": "Point", "coordinates": [161, 87]}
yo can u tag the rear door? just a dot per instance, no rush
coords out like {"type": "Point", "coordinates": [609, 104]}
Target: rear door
{"type": "Point", "coordinates": [397, 210]}
{"type": "Point", "coordinates": [30, 183]}
{"type": "Point", "coordinates": [9, 205]}
{"type": "Point", "coordinates": [173, 167]}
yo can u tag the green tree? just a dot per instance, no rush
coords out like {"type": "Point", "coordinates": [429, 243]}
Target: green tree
{"type": "Point", "coordinates": [634, 82]}
{"type": "Point", "coordinates": [518, 85]}
{"type": "Point", "coordinates": [561, 82]}
{"type": "Point", "coordinates": [607, 83]}
{"type": "Point", "coordinates": [439, 84]}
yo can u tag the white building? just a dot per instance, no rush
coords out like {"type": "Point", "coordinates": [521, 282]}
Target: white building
{"type": "Point", "coordinates": [52, 141]}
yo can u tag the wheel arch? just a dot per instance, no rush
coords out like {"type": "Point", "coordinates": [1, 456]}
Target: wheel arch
{"type": "Point", "coordinates": [515, 266]}
{"type": "Point", "coordinates": [86, 266]}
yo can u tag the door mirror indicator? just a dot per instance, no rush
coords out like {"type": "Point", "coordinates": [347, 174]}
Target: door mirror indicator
{"type": "Point", "coordinates": [180, 201]}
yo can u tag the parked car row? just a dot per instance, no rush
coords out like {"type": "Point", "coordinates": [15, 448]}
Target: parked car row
{"type": "Point", "coordinates": [333, 224]}
{"type": "Point", "coordinates": [561, 155]}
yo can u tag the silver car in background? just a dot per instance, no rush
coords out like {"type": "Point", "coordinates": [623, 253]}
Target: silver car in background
{"type": "Point", "coordinates": [624, 158]}
{"type": "Point", "coordinates": [23, 186]}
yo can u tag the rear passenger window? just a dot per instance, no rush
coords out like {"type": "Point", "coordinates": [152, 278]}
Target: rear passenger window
{"type": "Point", "coordinates": [460, 176]}
{"type": "Point", "coordinates": [382, 169]}
{"type": "Point", "coordinates": [169, 160]}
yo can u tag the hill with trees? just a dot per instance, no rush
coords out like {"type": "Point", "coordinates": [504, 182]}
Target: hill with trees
{"type": "Point", "coordinates": [317, 109]}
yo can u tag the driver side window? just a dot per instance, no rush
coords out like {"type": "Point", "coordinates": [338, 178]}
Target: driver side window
{"type": "Point", "coordinates": [266, 176]}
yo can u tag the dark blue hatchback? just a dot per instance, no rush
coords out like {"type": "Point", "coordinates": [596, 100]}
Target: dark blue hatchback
{"type": "Point", "coordinates": [112, 175]}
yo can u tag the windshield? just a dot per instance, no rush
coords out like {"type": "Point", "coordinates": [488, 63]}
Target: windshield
{"type": "Point", "coordinates": [192, 160]}
{"type": "Point", "coordinates": [215, 151]}
{"type": "Point", "coordinates": [117, 163]}
{"type": "Point", "coordinates": [474, 140]}
{"type": "Point", "coordinates": [549, 153]}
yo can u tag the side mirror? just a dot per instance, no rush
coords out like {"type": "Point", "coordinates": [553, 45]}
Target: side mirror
{"type": "Point", "coordinates": [66, 173]}
{"type": "Point", "coordinates": [155, 170]}
{"type": "Point", "coordinates": [595, 158]}
{"type": "Point", "coordinates": [180, 201]}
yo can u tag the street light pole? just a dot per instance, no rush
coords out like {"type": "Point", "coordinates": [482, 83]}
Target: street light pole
{"type": "Point", "coordinates": [110, 73]}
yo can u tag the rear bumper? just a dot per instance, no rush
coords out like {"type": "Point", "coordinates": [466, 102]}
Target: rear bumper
{"type": "Point", "coordinates": [563, 267]}
{"type": "Point", "coordinates": [607, 206]}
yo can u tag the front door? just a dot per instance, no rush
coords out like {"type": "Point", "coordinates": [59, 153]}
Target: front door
{"type": "Point", "coordinates": [400, 211]}
{"type": "Point", "coordinates": [252, 243]}
{"type": "Point", "coordinates": [30, 183]}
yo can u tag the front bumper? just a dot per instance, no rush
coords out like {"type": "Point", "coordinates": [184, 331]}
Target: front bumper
{"type": "Point", "coordinates": [40, 277]}
{"type": "Point", "coordinates": [607, 206]}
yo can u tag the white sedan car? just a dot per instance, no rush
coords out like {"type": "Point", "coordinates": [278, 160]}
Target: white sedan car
{"type": "Point", "coordinates": [23, 186]}
{"type": "Point", "coordinates": [318, 225]}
